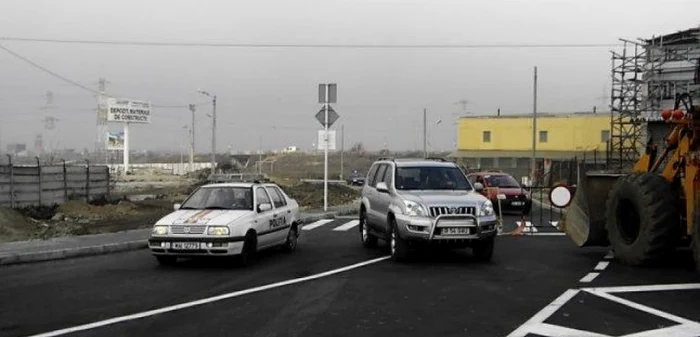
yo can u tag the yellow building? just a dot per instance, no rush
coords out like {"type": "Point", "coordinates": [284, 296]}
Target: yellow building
{"type": "Point", "coordinates": [558, 136]}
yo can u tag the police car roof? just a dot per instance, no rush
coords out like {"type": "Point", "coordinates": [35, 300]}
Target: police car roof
{"type": "Point", "coordinates": [238, 184]}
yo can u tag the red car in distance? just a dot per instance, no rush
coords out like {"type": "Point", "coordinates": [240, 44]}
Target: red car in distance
{"type": "Point", "coordinates": [515, 198]}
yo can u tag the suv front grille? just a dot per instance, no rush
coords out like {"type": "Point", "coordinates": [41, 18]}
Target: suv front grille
{"type": "Point", "coordinates": [447, 210]}
{"type": "Point", "coordinates": [179, 229]}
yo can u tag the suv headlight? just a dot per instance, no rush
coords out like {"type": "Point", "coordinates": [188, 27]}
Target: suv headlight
{"type": "Point", "coordinates": [217, 230]}
{"type": "Point", "coordinates": [486, 209]}
{"type": "Point", "coordinates": [160, 230]}
{"type": "Point", "coordinates": [414, 209]}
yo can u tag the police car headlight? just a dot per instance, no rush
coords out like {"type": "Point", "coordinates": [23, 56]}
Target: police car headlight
{"type": "Point", "coordinates": [160, 230]}
{"type": "Point", "coordinates": [414, 208]}
{"type": "Point", "coordinates": [486, 209]}
{"type": "Point", "coordinates": [218, 230]}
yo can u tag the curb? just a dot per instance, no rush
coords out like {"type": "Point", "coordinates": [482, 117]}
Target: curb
{"type": "Point", "coordinates": [67, 253]}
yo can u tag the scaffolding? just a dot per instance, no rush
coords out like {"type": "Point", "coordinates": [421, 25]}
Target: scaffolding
{"type": "Point", "coordinates": [646, 77]}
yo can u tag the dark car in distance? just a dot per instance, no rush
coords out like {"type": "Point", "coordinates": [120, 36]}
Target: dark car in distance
{"type": "Point", "coordinates": [356, 178]}
{"type": "Point", "coordinates": [514, 197]}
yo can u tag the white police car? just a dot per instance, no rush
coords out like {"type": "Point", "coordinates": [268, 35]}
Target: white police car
{"type": "Point", "coordinates": [227, 219]}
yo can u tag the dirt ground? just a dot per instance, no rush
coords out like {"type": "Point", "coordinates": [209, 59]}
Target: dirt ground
{"type": "Point", "coordinates": [310, 196]}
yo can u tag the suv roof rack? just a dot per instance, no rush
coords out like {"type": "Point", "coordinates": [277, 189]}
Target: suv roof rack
{"type": "Point", "coordinates": [386, 158]}
{"type": "Point", "coordinates": [254, 178]}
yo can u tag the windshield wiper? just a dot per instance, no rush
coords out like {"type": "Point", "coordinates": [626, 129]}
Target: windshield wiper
{"type": "Point", "coordinates": [216, 207]}
{"type": "Point", "coordinates": [187, 207]}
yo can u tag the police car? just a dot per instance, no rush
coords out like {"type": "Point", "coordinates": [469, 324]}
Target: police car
{"type": "Point", "coordinates": [227, 219]}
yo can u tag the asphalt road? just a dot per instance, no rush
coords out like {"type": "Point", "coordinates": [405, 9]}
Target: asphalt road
{"type": "Point", "coordinates": [441, 293]}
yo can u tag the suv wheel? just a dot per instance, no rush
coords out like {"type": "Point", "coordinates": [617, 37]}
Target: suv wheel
{"type": "Point", "coordinates": [368, 240]}
{"type": "Point", "coordinates": [483, 249]}
{"type": "Point", "coordinates": [397, 245]}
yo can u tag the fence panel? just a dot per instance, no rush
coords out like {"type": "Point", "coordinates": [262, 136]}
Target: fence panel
{"type": "Point", "coordinates": [51, 184]}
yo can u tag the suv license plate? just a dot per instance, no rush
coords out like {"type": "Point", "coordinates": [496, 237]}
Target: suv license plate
{"type": "Point", "coordinates": [455, 231]}
{"type": "Point", "coordinates": [185, 245]}
{"type": "Point", "coordinates": [518, 203]}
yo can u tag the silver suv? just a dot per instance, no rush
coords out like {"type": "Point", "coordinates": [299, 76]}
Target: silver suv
{"type": "Point", "coordinates": [413, 202]}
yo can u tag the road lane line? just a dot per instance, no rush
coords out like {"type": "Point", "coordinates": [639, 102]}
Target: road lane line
{"type": "Point", "coordinates": [543, 314]}
{"type": "Point", "coordinates": [347, 226]}
{"type": "Point", "coordinates": [601, 265]}
{"type": "Point", "coordinates": [589, 278]}
{"type": "Point", "coordinates": [610, 255]}
{"type": "Point", "coordinates": [316, 224]}
{"type": "Point", "coordinates": [203, 301]}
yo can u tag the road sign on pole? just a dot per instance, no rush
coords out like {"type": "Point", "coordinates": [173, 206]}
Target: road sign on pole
{"type": "Point", "coordinates": [332, 116]}
{"type": "Point", "coordinates": [327, 93]}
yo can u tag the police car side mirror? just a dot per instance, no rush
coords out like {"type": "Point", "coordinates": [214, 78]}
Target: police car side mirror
{"type": "Point", "coordinates": [176, 207]}
{"type": "Point", "coordinates": [479, 187]}
{"type": "Point", "coordinates": [264, 207]}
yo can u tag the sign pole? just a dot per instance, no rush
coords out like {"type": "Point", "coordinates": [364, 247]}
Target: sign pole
{"type": "Point", "coordinates": [325, 160]}
{"type": "Point", "coordinates": [126, 148]}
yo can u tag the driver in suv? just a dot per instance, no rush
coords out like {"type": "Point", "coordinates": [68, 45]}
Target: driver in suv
{"type": "Point", "coordinates": [413, 202]}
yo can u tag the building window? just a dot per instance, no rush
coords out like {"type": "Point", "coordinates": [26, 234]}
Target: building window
{"type": "Point", "coordinates": [486, 137]}
{"type": "Point", "coordinates": [604, 135]}
{"type": "Point", "coordinates": [543, 136]}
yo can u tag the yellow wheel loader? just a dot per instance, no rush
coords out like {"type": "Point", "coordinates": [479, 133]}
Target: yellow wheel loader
{"type": "Point", "coordinates": [647, 213]}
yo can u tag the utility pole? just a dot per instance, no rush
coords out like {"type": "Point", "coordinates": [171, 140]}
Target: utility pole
{"type": "Point", "coordinates": [325, 153]}
{"type": "Point", "coordinates": [342, 148]}
{"type": "Point", "coordinates": [533, 161]}
{"type": "Point", "coordinates": [425, 133]}
{"type": "Point", "coordinates": [213, 137]}
{"type": "Point", "coordinates": [192, 109]}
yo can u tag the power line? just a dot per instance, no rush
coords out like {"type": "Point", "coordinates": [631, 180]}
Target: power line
{"type": "Point", "coordinates": [320, 45]}
{"type": "Point", "coordinates": [76, 84]}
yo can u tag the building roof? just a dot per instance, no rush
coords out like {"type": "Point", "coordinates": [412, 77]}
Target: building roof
{"type": "Point", "coordinates": [688, 36]}
{"type": "Point", "coordinates": [541, 115]}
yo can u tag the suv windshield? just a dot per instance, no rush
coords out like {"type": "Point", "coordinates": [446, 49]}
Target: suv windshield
{"type": "Point", "coordinates": [503, 181]}
{"type": "Point", "coordinates": [234, 198]}
{"type": "Point", "coordinates": [431, 178]}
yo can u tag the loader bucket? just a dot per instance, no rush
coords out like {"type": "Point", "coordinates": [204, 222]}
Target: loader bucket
{"type": "Point", "coordinates": [585, 218]}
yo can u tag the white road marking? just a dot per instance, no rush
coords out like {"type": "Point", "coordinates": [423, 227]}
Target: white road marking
{"type": "Point", "coordinates": [610, 255]}
{"type": "Point", "coordinates": [316, 224]}
{"type": "Point", "coordinates": [644, 288]}
{"type": "Point", "coordinates": [545, 329]}
{"type": "Point", "coordinates": [347, 226]}
{"type": "Point", "coordinates": [541, 316]}
{"type": "Point", "coordinates": [554, 223]}
{"type": "Point", "coordinates": [589, 278]}
{"type": "Point", "coordinates": [186, 305]}
{"type": "Point", "coordinates": [537, 325]}
{"type": "Point", "coordinates": [601, 265]}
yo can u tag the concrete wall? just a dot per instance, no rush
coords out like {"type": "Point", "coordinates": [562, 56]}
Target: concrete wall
{"type": "Point", "coordinates": [49, 185]}
{"type": "Point", "coordinates": [165, 168]}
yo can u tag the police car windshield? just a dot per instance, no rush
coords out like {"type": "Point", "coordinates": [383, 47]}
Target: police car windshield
{"type": "Point", "coordinates": [431, 178]}
{"type": "Point", "coordinates": [233, 198]}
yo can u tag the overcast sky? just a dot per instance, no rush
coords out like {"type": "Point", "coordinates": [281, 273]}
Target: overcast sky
{"type": "Point", "coordinates": [268, 96]}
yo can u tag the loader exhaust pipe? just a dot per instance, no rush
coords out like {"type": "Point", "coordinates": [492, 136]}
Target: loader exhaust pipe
{"type": "Point", "coordinates": [584, 220]}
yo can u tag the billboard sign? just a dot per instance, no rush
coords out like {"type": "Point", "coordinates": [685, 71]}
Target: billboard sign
{"type": "Point", "coordinates": [321, 140]}
{"type": "Point", "coordinates": [128, 111]}
{"type": "Point", "coordinates": [115, 140]}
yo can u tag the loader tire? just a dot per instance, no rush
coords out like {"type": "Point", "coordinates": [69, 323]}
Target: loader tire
{"type": "Point", "coordinates": [642, 218]}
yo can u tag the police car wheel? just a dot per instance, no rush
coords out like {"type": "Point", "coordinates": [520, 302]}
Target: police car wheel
{"type": "Point", "coordinates": [247, 256]}
{"type": "Point", "coordinates": [292, 238]}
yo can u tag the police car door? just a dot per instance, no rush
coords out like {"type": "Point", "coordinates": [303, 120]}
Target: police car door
{"type": "Point", "coordinates": [264, 224]}
{"type": "Point", "coordinates": [282, 217]}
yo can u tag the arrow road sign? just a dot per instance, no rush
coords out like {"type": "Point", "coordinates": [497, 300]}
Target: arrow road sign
{"type": "Point", "coordinates": [332, 116]}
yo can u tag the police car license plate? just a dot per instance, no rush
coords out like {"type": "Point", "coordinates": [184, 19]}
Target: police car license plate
{"type": "Point", "coordinates": [518, 203]}
{"type": "Point", "coordinates": [455, 231]}
{"type": "Point", "coordinates": [185, 245]}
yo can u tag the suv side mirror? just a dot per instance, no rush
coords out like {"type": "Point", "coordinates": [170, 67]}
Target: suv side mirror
{"type": "Point", "coordinates": [478, 187]}
{"type": "Point", "coordinates": [176, 207]}
{"type": "Point", "coordinates": [382, 187]}
{"type": "Point", "coordinates": [264, 207]}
